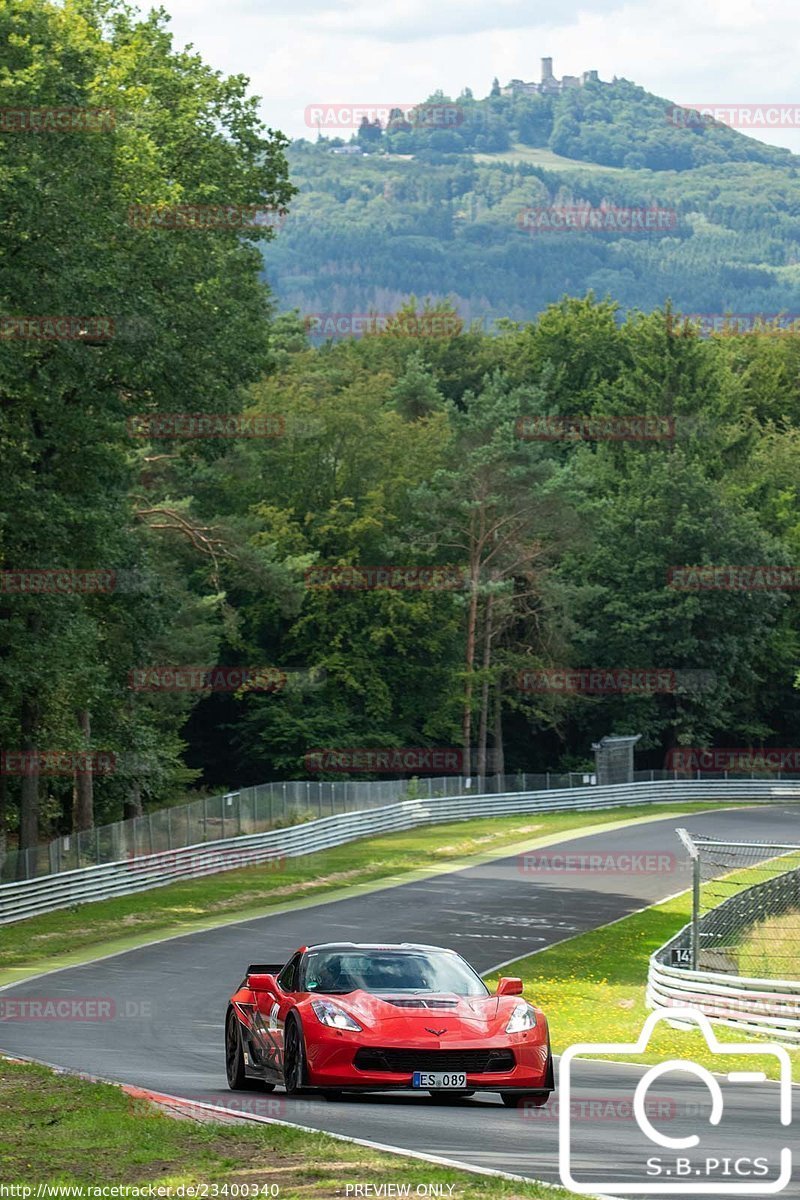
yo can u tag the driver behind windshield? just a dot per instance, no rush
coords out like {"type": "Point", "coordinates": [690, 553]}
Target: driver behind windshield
{"type": "Point", "coordinates": [337, 973]}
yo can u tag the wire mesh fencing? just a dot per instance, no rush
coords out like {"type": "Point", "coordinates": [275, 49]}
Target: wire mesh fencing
{"type": "Point", "coordinates": [745, 908]}
{"type": "Point", "coordinates": [275, 805]}
{"type": "Point", "coordinates": [255, 809]}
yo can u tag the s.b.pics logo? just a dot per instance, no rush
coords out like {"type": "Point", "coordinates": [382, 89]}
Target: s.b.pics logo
{"type": "Point", "coordinates": [730, 1135]}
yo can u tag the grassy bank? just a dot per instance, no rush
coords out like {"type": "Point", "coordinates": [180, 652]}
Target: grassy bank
{"type": "Point", "coordinates": [593, 990]}
{"type": "Point", "coordinates": [69, 935]}
{"type": "Point", "coordinates": [60, 1130]}
{"type": "Point", "coordinates": [771, 949]}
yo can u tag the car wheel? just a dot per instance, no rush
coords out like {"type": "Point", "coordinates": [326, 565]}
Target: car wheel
{"type": "Point", "coordinates": [234, 1060]}
{"type": "Point", "coordinates": [525, 1099]}
{"type": "Point", "coordinates": [234, 1054]}
{"type": "Point", "coordinates": [449, 1097]}
{"type": "Point", "coordinates": [294, 1058]}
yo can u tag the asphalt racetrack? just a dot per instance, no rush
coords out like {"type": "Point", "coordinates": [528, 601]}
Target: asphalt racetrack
{"type": "Point", "coordinates": [170, 1001]}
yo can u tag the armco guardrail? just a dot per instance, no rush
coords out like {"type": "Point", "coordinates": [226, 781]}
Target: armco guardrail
{"type": "Point", "coordinates": [763, 1006]}
{"type": "Point", "coordinates": [28, 898]}
{"type": "Point", "coordinates": [253, 810]}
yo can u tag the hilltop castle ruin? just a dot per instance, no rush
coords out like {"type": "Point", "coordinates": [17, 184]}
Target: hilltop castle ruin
{"type": "Point", "coordinates": [549, 85]}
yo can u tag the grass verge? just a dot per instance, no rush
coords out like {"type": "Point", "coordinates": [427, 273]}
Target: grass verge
{"type": "Point", "coordinates": [771, 949]}
{"type": "Point", "coordinates": [592, 989]}
{"type": "Point", "coordinates": [106, 926]}
{"type": "Point", "coordinates": [60, 1130]}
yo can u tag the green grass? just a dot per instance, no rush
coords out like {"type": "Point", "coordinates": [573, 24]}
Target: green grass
{"type": "Point", "coordinates": [540, 156]}
{"type": "Point", "coordinates": [771, 949]}
{"type": "Point", "coordinates": [592, 989]}
{"type": "Point", "coordinates": [57, 1129]}
{"type": "Point", "coordinates": [104, 927]}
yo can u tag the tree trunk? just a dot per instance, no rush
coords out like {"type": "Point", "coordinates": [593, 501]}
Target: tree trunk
{"type": "Point", "coordinates": [472, 621]}
{"type": "Point", "coordinates": [3, 812]}
{"type": "Point", "coordinates": [483, 725]}
{"type": "Point", "coordinates": [83, 814]}
{"type": "Point", "coordinates": [133, 801]}
{"type": "Point", "coordinates": [29, 786]}
{"type": "Point", "coordinates": [499, 752]}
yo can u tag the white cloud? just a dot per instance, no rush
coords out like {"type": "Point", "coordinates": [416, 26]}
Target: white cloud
{"type": "Point", "coordinates": [335, 51]}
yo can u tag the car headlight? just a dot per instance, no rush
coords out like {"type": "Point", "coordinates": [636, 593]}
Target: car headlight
{"type": "Point", "coordinates": [331, 1014]}
{"type": "Point", "coordinates": [522, 1018]}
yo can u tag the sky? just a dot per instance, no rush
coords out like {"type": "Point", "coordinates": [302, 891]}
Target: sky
{"type": "Point", "coordinates": [344, 52]}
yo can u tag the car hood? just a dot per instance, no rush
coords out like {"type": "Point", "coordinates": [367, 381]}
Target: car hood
{"type": "Point", "coordinates": [445, 1013]}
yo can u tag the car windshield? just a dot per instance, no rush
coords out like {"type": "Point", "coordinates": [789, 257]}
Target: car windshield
{"type": "Point", "coordinates": [337, 972]}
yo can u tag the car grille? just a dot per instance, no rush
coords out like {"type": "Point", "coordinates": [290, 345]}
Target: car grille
{"type": "Point", "coordinates": [474, 1062]}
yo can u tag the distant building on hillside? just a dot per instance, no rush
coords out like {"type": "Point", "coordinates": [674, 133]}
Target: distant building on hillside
{"type": "Point", "coordinates": [549, 85]}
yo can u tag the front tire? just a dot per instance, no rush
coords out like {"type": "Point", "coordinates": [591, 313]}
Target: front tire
{"type": "Point", "coordinates": [294, 1058]}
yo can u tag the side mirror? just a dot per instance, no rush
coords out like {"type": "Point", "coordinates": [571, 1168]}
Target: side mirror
{"type": "Point", "coordinates": [509, 985]}
{"type": "Point", "coordinates": [262, 983]}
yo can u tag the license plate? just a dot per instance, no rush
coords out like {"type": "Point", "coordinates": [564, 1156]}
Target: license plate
{"type": "Point", "coordinates": [439, 1079]}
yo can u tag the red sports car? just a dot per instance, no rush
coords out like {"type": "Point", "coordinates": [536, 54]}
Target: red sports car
{"type": "Point", "coordinates": [346, 1017]}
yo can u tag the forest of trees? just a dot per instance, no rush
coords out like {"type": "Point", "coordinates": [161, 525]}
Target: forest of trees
{"type": "Point", "coordinates": [365, 232]}
{"type": "Point", "coordinates": [402, 447]}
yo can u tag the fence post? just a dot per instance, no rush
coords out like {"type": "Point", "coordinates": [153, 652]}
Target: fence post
{"type": "Point", "coordinates": [694, 852]}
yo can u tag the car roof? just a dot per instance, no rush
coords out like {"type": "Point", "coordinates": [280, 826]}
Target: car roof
{"type": "Point", "coordinates": [377, 946]}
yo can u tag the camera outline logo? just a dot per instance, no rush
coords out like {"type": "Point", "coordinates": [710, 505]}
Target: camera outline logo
{"type": "Point", "coordinates": [646, 1186]}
